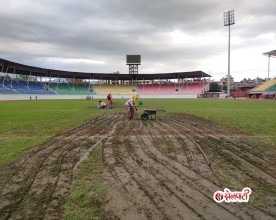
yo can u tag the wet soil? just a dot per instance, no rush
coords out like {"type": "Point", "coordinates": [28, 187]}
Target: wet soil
{"type": "Point", "coordinates": [167, 168]}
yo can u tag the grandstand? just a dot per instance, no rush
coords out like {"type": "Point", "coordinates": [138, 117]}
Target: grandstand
{"type": "Point", "coordinates": [182, 84]}
{"type": "Point", "coordinates": [4, 90]}
{"type": "Point", "coordinates": [272, 88]}
{"type": "Point", "coordinates": [71, 89]}
{"type": "Point", "coordinates": [103, 89]}
{"type": "Point", "coordinates": [170, 89]}
{"type": "Point", "coordinates": [23, 87]}
{"type": "Point", "coordinates": [264, 86]}
{"type": "Point", "coordinates": [262, 90]}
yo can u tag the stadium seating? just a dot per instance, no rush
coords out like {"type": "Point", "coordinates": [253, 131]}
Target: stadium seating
{"type": "Point", "coordinates": [264, 86]}
{"type": "Point", "coordinates": [114, 89]}
{"type": "Point", "coordinates": [4, 90]}
{"type": "Point", "coordinates": [70, 89]}
{"type": "Point", "coordinates": [23, 87]}
{"type": "Point", "coordinates": [193, 88]}
{"type": "Point", "coordinates": [272, 88]}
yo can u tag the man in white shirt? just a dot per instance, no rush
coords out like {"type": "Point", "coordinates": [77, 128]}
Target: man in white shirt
{"type": "Point", "coordinates": [129, 107]}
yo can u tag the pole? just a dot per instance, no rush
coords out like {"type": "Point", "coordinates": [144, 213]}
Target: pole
{"type": "Point", "coordinates": [268, 69]}
{"type": "Point", "coordinates": [228, 80]}
{"type": "Point", "coordinates": [229, 20]}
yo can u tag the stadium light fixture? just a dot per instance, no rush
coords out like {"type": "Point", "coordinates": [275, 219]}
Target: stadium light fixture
{"type": "Point", "coordinates": [269, 54]}
{"type": "Point", "coordinates": [229, 19]}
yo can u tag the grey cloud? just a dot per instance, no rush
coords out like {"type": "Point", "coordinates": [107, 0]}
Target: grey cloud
{"type": "Point", "coordinates": [109, 29]}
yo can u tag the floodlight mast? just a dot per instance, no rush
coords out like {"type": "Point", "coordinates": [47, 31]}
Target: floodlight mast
{"type": "Point", "coordinates": [269, 54]}
{"type": "Point", "coordinates": [268, 68]}
{"type": "Point", "coordinates": [229, 19]}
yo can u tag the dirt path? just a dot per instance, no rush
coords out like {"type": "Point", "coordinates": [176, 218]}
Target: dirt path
{"type": "Point", "coordinates": [163, 169]}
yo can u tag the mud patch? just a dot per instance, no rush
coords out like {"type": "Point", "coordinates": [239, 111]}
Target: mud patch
{"type": "Point", "coordinates": [40, 182]}
{"type": "Point", "coordinates": [161, 169]}
{"type": "Point", "coordinates": [170, 168]}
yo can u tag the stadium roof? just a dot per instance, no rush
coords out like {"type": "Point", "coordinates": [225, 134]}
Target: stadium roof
{"type": "Point", "coordinates": [17, 68]}
{"type": "Point", "coordinates": [270, 53]}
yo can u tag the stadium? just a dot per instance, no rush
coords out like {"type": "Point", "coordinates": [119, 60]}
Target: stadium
{"type": "Point", "coordinates": [79, 85]}
{"type": "Point", "coordinates": [137, 110]}
{"type": "Point", "coordinates": [63, 158]}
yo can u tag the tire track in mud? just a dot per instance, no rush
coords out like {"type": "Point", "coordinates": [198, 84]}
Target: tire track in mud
{"type": "Point", "coordinates": [184, 141]}
{"type": "Point", "coordinates": [132, 199]}
{"type": "Point", "coordinates": [174, 183]}
{"type": "Point", "coordinates": [149, 175]}
{"type": "Point", "coordinates": [152, 206]}
{"type": "Point", "coordinates": [216, 145]}
{"type": "Point", "coordinates": [169, 189]}
{"type": "Point", "coordinates": [246, 168]}
{"type": "Point", "coordinates": [65, 138]}
{"type": "Point", "coordinates": [205, 189]}
{"type": "Point", "coordinates": [170, 210]}
{"type": "Point", "coordinates": [42, 180]}
{"type": "Point", "coordinates": [236, 147]}
{"type": "Point", "coordinates": [202, 191]}
{"type": "Point", "coordinates": [50, 149]}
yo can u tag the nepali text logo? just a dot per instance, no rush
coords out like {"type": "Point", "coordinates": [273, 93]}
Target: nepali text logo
{"type": "Point", "coordinates": [228, 196]}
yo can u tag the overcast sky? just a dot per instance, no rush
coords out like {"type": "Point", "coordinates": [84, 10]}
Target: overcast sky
{"type": "Point", "coordinates": [170, 35]}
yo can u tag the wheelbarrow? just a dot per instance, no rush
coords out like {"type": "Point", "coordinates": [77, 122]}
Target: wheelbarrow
{"type": "Point", "coordinates": [150, 112]}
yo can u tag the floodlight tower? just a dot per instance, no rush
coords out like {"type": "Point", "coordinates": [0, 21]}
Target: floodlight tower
{"type": "Point", "coordinates": [229, 19]}
{"type": "Point", "coordinates": [269, 54]}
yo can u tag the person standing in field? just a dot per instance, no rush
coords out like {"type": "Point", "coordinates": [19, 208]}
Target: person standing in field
{"type": "Point", "coordinates": [109, 99]}
{"type": "Point", "coordinates": [134, 98]}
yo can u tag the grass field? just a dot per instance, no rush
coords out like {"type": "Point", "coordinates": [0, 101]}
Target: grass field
{"type": "Point", "coordinates": [25, 125]}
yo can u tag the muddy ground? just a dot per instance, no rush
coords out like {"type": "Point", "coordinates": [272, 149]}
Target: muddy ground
{"type": "Point", "coordinates": [167, 168]}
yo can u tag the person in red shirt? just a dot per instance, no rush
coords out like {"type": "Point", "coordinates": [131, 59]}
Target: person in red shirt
{"type": "Point", "coordinates": [109, 99]}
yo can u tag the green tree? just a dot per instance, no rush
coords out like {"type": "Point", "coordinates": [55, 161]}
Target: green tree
{"type": "Point", "coordinates": [215, 86]}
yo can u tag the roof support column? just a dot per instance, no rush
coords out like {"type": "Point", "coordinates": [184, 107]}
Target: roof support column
{"type": "Point", "coordinates": [5, 76]}
{"type": "Point", "coordinates": [58, 82]}
{"type": "Point", "coordinates": [268, 68]}
{"type": "Point", "coordinates": [89, 83]}
{"type": "Point", "coordinates": [159, 83]}
{"type": "Point", "coordinates": [11, 79]}
{"type": "Point", "coordinates": [29, 79]}
{"type": "Point", "coordinates": [178, 85]}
